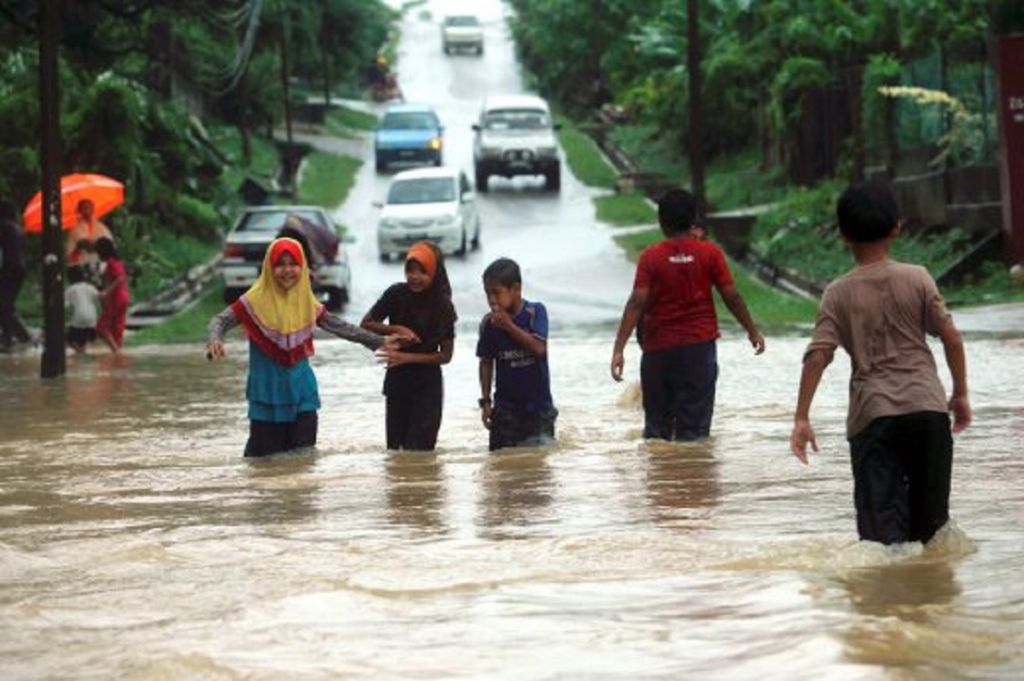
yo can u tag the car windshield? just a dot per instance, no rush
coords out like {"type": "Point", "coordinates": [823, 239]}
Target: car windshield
{"type": "Point", "coordinates": [273, 220]}
{"type": "Point", "coordinates": [462, 21]}
{"type": "Point", "coordinates": [516, 119]}
{"type": "Point", "coordinates": [411, 120]}
{"type": "Point", "coordinates": [422, 190]}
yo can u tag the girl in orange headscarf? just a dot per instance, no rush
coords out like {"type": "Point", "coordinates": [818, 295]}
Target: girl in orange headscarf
{"type": "Point", "coordinates": [419, 312]}
{"type": "Point", "coordinates": [279, 314]}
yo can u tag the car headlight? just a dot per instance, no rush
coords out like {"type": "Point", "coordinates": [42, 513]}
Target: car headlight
{"type": "Point", "coordinates": [547, 152]}
{"type": "Point", "coordinates": [445, 220]}
{"type": "Point", "coordinates": [434, 144]}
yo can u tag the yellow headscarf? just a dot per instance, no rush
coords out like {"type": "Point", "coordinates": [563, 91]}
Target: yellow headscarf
{"type": "Point", "coordinates": [281, 321]}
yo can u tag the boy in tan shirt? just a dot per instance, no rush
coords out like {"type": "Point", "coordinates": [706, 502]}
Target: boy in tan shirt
{"type": "Point", "coordinates": [898, 425]}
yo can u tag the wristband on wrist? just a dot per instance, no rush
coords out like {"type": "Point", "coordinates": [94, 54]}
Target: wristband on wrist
{"type": "Point", "coordinates": [483, 402]}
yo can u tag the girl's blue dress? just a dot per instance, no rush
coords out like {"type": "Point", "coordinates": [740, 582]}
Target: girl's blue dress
{"type": "Point", "coordinates": [277, 393]}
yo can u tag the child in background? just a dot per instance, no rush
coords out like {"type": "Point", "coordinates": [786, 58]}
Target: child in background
{"type": "Point", "coordinates": [83, 298]}
{"type": "Point", "coordinates": [898, 420]}
{"type": "Point", "coordinates": [419, 312]}
{"type": "Point", "coordinates": [279, 314]}
{"type": "Point", "coordinates": [514, 336]}
{"type": "Point", "coordinates": [115, 296]}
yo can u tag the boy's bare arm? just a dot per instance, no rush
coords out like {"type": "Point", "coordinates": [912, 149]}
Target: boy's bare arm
{"type": "Point", "coordinates": [635, 306]}
{"type": "Point", "coordinates": [486, 379]}
{"type": "Point", "coordinates": [734, 301]}
{"type": "Point", "coordinates": [956, 360]}
{"type": "Point", "coordinates": [810, 376]}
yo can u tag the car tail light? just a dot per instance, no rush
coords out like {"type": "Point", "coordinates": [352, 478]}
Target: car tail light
{"type": "Point", "coordinates": [234, 251]}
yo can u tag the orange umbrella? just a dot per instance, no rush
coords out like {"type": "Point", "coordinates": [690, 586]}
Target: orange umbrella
{"type": "Point", "coordinates": [105, 193]}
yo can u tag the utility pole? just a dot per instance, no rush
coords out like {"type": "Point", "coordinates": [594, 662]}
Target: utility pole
{"type": "Point", "coordinates": [290, 161]}
{"type": "Point", "coordinates": [54, 352]}
{"type": "Point", "coordinates": [696, 131]}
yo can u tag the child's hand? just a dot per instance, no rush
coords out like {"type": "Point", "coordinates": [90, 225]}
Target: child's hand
{"type": "Point", "coordinates": [618, 362]}
{"type": "Point", "coordinates": [391, 342]}
{"type": "Point", "coordinates": [485, 415]}
{"type": "Point", "coordinates": [501, 319]}
{"type": "Point", "coordinates": [215, 350]}
{"type": "Point", "coordinates": [392, 357]}
{"type": "Point", "coordinates": [757, 340]}
{"type": "Point", "coordinates": [801, 435]}
{"type": "Point", "coordinates": [961, 408]}
{"type": "Point", "coordinates": [405, 335]}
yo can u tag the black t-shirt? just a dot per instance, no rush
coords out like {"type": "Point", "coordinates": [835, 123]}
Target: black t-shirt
{"type": "Point", "coordinates": [432, 317]}
{"type": "Point", "coordinates": [12, 245]}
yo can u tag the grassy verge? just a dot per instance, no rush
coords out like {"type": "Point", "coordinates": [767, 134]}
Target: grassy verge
{"type": "Point", "coordinates": [345, 122]}
{"type": "Point", "coordinates": [265, 159]}
{"type": "Point", "coordinates": [584, 157]}
{"type": "Point", "coordinates": [327, 179]}
{"type": "Point", "coordinates": [185, 327]}
{"type": "Point", "coordinates": [625, 209]}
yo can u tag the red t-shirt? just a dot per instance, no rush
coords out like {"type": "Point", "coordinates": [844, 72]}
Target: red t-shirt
{"type": "Point", "coordinates": [678, 274]}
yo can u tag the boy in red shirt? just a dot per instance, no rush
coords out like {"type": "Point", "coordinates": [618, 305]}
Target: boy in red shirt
{"type": "Point", "coordinates": [672, 300]}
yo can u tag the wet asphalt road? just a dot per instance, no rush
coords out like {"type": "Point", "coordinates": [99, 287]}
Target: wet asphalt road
{"type": "Point", "coordinates": [569, 261]}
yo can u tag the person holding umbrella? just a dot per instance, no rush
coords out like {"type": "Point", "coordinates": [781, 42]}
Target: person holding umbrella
{"type": "Point", "coordinates": [12, 274]}
{"type": "Point", "coordinates": [84, 235]}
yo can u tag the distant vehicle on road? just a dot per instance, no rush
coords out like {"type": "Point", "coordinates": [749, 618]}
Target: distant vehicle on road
{"type": "Point", "coordinates": [257, 226]}
{"type": "Point", "coordinates": [433, 204]}
{"type": "Point", "coordinates": [408, 133]}
{"type": "Point", "coordinates": [462, 32]}
{"type": "Point", "coordinates": [515, 136]}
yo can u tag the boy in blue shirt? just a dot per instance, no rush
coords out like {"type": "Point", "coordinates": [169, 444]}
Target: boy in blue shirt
{"type": "Point", "coordinates": [514, 338]}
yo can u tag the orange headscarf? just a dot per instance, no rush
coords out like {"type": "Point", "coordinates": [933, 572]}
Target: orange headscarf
{"type": "Point", "coordinates": [423, 253]}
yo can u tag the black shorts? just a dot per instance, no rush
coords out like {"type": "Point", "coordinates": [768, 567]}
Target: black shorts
{"type": "Point", "coordinates": [901, 475]}
{"type": "Point", "coordinates": [271, 437]}
{"type": "Point", "coordinates": [522, 429]}
{"type": "Point", "coordinates": [81, 335]}
{"type": "Point", "coordinates": [679, 391]}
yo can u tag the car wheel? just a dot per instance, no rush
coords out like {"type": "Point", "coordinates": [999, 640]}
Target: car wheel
{"type": "Point", "coordinates": [461, 250]}
{"type": "Point", "coordinates": [232, 294]}
{"type": "Point", "coordinates": [479, 49]}
{"type": "Point", "coordinates": [384, 257]}
{"type": "Point", "coordinates": [475, 243]}
{"type": "Point", "coordinates": [481, 181]}
{"type": "Point", "coordinates": [447, 50]}
{"type": "Point", "coordinates": [553, 179]}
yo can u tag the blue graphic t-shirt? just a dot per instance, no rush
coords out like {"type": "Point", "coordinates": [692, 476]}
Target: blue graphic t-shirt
{"type": "Point", "coordinates": [522, 382]}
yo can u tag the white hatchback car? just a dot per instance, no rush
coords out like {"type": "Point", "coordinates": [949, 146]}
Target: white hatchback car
{"type": "Point", "coordinates": [428, 204]}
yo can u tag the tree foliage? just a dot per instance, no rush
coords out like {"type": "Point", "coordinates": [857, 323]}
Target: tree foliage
{"type": "Point", "coordinates": [762, 60]}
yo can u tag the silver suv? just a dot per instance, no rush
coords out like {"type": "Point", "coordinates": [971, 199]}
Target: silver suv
{"type": "Point", "coordinates": [515, 136]}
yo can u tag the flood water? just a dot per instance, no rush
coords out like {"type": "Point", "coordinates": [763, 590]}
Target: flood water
{"type": "Point", "coordinates": [137, 543]}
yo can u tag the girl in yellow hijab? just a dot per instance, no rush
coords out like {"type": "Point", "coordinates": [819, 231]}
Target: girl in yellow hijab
{"type": "Point", "coordinates": [279, 314]}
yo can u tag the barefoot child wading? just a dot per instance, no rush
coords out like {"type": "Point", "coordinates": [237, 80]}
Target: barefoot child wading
{"type": "Point", "coordinates": [279, 314]}
{"type": "Point", "coordinates": [898, 420]}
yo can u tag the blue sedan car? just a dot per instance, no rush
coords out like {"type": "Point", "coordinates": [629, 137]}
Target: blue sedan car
{"type": "Point", "coordinates": [408, 133]}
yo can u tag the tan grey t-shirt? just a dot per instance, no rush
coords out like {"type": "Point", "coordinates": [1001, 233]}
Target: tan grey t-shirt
{"type": "Point", "coordinates": [879, 314]}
